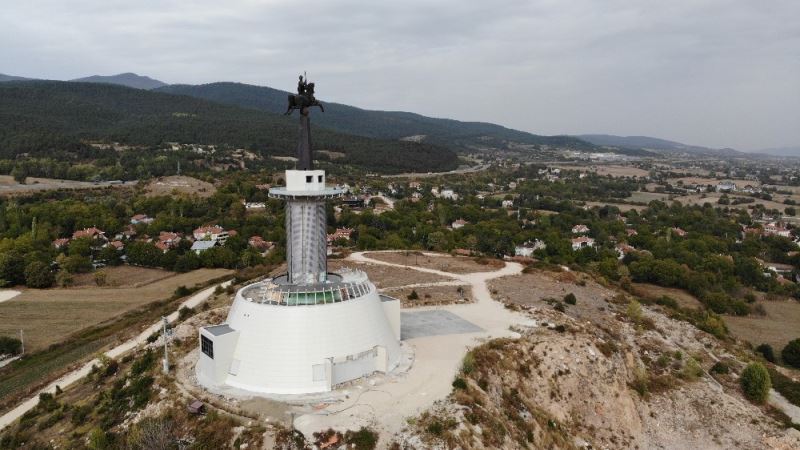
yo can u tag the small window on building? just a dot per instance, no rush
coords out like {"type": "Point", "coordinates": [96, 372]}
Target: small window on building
{"type": "Point", "coordinates": [207, 346]}
{"type": "Point", "coordinates": [319, 178]}
{"type": "Point", "coordinates": [309, 178]}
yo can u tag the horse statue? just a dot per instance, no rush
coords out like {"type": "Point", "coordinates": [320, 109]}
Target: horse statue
{"type": "Point", "coordinates": [304, 98]}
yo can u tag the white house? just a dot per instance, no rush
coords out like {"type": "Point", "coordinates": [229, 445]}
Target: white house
{"type": "Point", "coordinates": [582, 242]}
{"type": "Point", "coordinates": [508, 203]}
{"type": "Point", "coordinates": [458, 224]}
{"type": "Point", "coordinates": [213, 233]}
{"type": "Point", "coordinates": [449, 194]}
{"type": "Point", "coordinates": [726, 186]}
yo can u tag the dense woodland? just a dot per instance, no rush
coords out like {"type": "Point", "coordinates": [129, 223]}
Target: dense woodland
{"type": "Point", "coordinates": [459, 136]}
{"type": "Point", "coordinates": [56, 119]}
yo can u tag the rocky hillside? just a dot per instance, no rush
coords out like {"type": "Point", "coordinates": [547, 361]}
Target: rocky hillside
{"type": "Point", "coordinates": [601, 374]}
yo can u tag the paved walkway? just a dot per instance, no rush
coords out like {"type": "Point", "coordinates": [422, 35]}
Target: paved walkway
{"type": "Point", "coordinates": [386, 406]}
{"type": "Point", "coordinates": [115, 352]}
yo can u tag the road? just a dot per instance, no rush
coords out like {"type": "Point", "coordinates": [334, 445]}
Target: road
{"type": "Point", "coordinates": [437, 359]}
{"type": "Point", "coordinates": [120, 350]}
{"type": "Point", "coordinates": [436, 174]}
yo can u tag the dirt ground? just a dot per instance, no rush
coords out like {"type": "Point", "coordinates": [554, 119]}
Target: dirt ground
{"type": "Point", "coordinates": [653, 292]}
{"type": "Point", "coordinates": [48, 316]}
{"type": "Point", "coordinates": [432, 295]}
{"type": "Point", "coordinates": [33, 184]}
{"type": "Point", "coordinates": [387, 277]}
{"type": "Point", "coordinates": [181, 185]}
{"type": "Point", "coordinates": [123, 276]}
{"type": "Point", "coordinates": [777, 328]}
{"type": "Point", "coordinates": [442, 262]}
{"type": "Point", "coordinates": [613, 170]}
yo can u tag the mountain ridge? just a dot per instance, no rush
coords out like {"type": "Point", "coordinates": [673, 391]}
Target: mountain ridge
{"type": "Point", "coordinates": [128, 79]}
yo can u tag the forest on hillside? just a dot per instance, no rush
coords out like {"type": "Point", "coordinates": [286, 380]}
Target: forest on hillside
{"type": "Point", "coordinates": [55, 119]}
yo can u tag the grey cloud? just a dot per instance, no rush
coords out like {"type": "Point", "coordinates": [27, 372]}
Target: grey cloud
{"type": "Point", "coordinates": [713, 72]}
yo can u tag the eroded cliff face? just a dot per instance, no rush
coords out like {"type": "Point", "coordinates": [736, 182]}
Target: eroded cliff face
{"type": "Point", "coordinates": [599, 380]}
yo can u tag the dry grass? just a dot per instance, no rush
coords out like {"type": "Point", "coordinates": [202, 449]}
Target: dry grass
{"type": "Point", "coordinates": [9, 186]}
{"type": "Point", "coordinates": [124, 276]}
{"type": "Point", "coordinates": [777, 328]}
{"type": "Point", "coordinates": [385, 276]}
{"type": "Point", "coordinates": [48, 316]}
{"type": "Point", "coordinates": [181, 185]}
{"type": "Point", "coordinates": [432, 295]}
{"type": "Point", "coordinates": [613, 170]}
{"type": "Point", "coordinates": [653, 292]}
{"type": "Point", "coordinates": [445, 263]}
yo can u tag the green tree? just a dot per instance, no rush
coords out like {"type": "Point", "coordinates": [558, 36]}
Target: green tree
{"type": "Point", "coordinates": [756, 382]}
{"type": "Point", "coordinates": [38, 275]}
{"type": "Point", "coordinates": [791, 353]}
{"type": "Point", "coordinates": [767, 352]}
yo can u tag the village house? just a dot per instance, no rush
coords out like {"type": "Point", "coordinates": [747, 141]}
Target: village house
{"type": "Point", "coordinates": [726, 186]}
{"type": "Point", "coordinates": [678, 232]}
{"type": "Point", "coordinates": [508, 203]}
{"type": "Point", "coordinates": [60, 243]}
{"type": "Point", "coordinates": [582, 242]}
{"type": "Point", "coordinates": [526, 250]}
{"type": "Point", "coordinates": [141, 219]}
{"type": "Point", "coordinates": [580, 229]}
{"type": "Point", "coordinates": [458, 224]}
{"type": "Point", "coordinates": [258, 243]}
{"type": "Point", "coordinates": [340, 233]}
{"type": "Point", "coordinates": [776, 229]}
{"type": "Point", "coordinates": [91, 233]}
{"type": "Point", "coordinates": [449, 194]}
{"type": "Point", "coordinates": [168, 239]}
{"type": "Point", "coordinates": [214, 233]}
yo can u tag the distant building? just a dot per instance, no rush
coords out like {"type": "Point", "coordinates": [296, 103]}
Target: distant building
{"type": "Point", "coordinates": [678, 232]}
{"type": "Point", "coordinates": [458, 224]}
{"type": "Point", "coordinates": [340, 233]}
{"type": "Point", "coordinates": [213, 233]}
{"type": "Point", "coordinates": [631, 232]}
{"type": "Point", "coordinates": [141, 219]}
{"type": "Point", "coordinates": [580, 229]}
{"type": "Point", "coordinates": [117, 245]}
{"type": "Point", "coordinates": [60, 243]}
{"type": "Point", "coordinates": [201, 246]}
{"type": "Point", "coordinates": [623, 250]}
{"type": "Point", "coordinates": [91, 233]}
{"type": "Point", "coordinates": [508, 203]}
{"type": "Point", "coordinates": [582, 242]}
{"type": "Point", "coordinates": [259, 243]}
{"type": "Point", "coordinates": [254, 205]}
{"type": "Point", "coordinates": [449, 194]}
{"type": "Point", "coordinates": [776, 229]}
{"type": "Point", "coordinates": [527, 249]}
{"type": "Point", "coordinates": [726, 186]}
{"type": "Point", "coordinates": [169, 239]}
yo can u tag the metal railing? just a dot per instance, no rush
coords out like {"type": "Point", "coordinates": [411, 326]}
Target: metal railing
{"type": "Point", "coordinates": [270, 293]}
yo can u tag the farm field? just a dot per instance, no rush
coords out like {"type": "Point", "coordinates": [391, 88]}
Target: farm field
{"type": "Point", "coordinates": [181, 185]}
{"type": "Point", "coordinates": [123, 276]}
{"type": "Point", "coordinates": [613, 170]}
{"type": "Point", "coordinates": [9, 186]}
{"type": "Point", "coordinates": [48, 316]}
{"type": "Point", "coordinates": [443, 262]}
{"type": "Point", "coordinates": [777, 328]}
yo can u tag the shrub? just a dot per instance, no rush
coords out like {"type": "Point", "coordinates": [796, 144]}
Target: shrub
{"type": "Point", "coordinates": [767, 352]}
{"type": "Point", "coordinates": [570, 299]}
{"type": "Point", "coordinates": [459, 383]}
{"type": "Point", "coordinates": [634, 311]}
{"type": "Point", "coordinates": [10, 346]}
{"type": "Point", "coordinates": [691, 370]}
{"type": "Point", "coordinates": [363, 439]}
{"type": "Point", "coordinates": [413, 295]}
{"type": "Point", "coordinates": [100, 277]}
{"type": "Point", "coordinates": [720, 367]}
{"type": "Point", "coordinates": [756, 382]}
{"type": "Point", "coordinates": [468, 365]}
{"type": "Point", "coordinates": [184, 313]}
{"type": "Point", "coordinates": [791, 353]}
{"type": "Point", "coordinates": [38, 275]}
{"type": "Point", "coordinates": [181, 291]}
{"type": "Point", "coordinates": [667, 301]}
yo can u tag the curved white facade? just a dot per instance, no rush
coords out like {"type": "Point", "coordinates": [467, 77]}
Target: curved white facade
{"type": "Point", "coordinates": [273, 343]}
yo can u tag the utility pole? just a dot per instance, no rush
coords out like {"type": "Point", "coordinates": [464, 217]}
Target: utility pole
{"type": "Point", "coordinates": [22, 340]}
{"type": "Point", "coordinates": [166, 340]}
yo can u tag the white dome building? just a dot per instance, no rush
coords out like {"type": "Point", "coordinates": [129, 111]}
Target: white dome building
{"type": "Point", "coordinates": [308, 330]}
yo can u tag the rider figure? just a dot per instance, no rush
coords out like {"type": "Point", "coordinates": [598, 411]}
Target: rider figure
{"type": "Point", "coordinates": [301, 86]}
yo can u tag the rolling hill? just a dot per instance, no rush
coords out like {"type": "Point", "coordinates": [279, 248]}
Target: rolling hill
{"type": "Point", "coordinates": [651, 143]}
{"type": "Point", "coordinates": [124, 79]}
{"type": "Point", "coordinates": [37, 117]}
{"type": "Point", "coordinates": [458, 135]}
{"type": "Point", "coordinates": [4, 77]}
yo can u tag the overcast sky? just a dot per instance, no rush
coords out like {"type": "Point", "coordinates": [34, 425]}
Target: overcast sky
{"type": "Point", "coordinates": [720, 73]}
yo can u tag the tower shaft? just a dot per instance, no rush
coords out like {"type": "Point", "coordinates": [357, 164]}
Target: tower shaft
{"type": "Point", "coordinates": [306, 240]}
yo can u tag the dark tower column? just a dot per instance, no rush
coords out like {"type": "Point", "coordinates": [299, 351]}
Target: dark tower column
{"type": "Point", "coordinates": [304, 161]}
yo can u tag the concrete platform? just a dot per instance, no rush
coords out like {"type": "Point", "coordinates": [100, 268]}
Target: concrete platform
{"type": "Point", "coordinates": [416, 324]}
